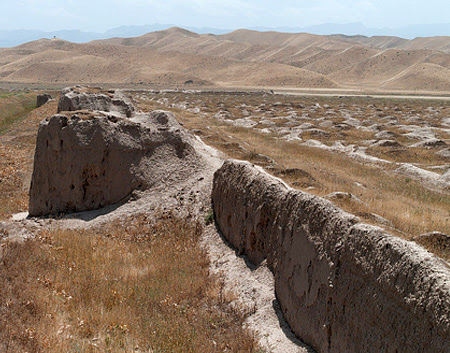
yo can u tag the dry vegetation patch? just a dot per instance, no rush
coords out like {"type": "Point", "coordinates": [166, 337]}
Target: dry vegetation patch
{"type": "Point", "coordinates": [13, 196]}
{"type": "Point", "coordinates": [140, 284]}
{"type": "Point", "coordinates": [17, 142]}
{"type": "Point", "coordinates": [14, 106]}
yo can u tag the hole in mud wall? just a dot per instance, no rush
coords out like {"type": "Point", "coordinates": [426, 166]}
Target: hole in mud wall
{"type": "Point", "coordinates": [229, 220]}
{"type": "Point", "coordinates": [85, 186]}
{"type": "Point", "coordinates": [252, 241]}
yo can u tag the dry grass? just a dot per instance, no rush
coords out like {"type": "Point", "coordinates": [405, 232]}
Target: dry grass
{"type": "Point", "coordinates": [17, 143]}
{"type": "Point", "coordinates": [14, 107]}
{"type": "Point", "coordinates": [411, 208]}
{"type": "Point", "coordinates": [140, 284]}
{"type": "Point", "coordinates": [21, 308]}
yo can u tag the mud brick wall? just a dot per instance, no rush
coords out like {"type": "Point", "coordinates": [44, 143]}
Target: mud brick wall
{"type": "Point", "coordinates": [343, 286]}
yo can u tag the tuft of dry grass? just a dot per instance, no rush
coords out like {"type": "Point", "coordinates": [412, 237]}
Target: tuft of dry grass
{"type": "Point", "coordinates": [140, 284]}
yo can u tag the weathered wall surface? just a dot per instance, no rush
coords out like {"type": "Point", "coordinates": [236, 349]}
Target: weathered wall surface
{"type": "Point", "coordinates": [343, 286]}
{"type": "Point", "coordinates": [83, 98]}
{"type": "Point", "coordinates": [85, 161]}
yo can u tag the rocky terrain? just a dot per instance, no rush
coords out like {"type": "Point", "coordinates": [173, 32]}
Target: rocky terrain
{"type": "Point", "coordinates": [370, 156]}
{"type": "Point", "coordinates": [242, 58]}
{"type": "Point", "coordinates": [399, 138]}
{"type": "Point", "coordinates": [175, 172]}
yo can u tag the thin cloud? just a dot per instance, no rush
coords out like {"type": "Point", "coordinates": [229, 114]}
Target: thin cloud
{"type": "Point", "coordinates": [104, 14]}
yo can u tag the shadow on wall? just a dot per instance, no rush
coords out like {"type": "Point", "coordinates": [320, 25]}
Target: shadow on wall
{"type": "Point", "coordinates": [275, 304]}
{"type": "Point", "coordinates": [286, 329]}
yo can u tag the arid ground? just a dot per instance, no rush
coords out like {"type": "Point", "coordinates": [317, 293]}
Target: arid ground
{"type": "Point", "coordinates": [373, 157]}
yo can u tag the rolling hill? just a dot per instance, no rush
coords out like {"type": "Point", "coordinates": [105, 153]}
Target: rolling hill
{"type": "Point", "coordinates": [240, 58]}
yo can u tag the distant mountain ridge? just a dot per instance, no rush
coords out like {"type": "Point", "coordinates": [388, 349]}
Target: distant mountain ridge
{"type": "Point", "coordinates": [10, 38]}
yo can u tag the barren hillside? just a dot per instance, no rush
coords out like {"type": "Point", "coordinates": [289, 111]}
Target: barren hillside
{"type": "Point", "coordinates": [431, 76]}
{"type": "Point", "coordinates": [240, 58]}
{"type": "Point", "coordinates": [384, 66]}
{"type": "Point", "coordinates": [98, 62]}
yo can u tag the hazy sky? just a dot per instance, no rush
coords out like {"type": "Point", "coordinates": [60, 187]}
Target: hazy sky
{"type": "Point", "coordinates": [99, 15]}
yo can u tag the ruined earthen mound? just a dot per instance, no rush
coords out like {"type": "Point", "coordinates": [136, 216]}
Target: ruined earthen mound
{"type": "Point", "coordinates": [85, 98]}
{"type": "Point", "coordinates": [89, 159]}
{"type": "Point", "coordinates": [41, 99]}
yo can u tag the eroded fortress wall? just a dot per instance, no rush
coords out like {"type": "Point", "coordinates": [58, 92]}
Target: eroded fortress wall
{"type": "Point", "coordinates": [97, 151]}
{"type": "Point", "coordinates": [343, 286]}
